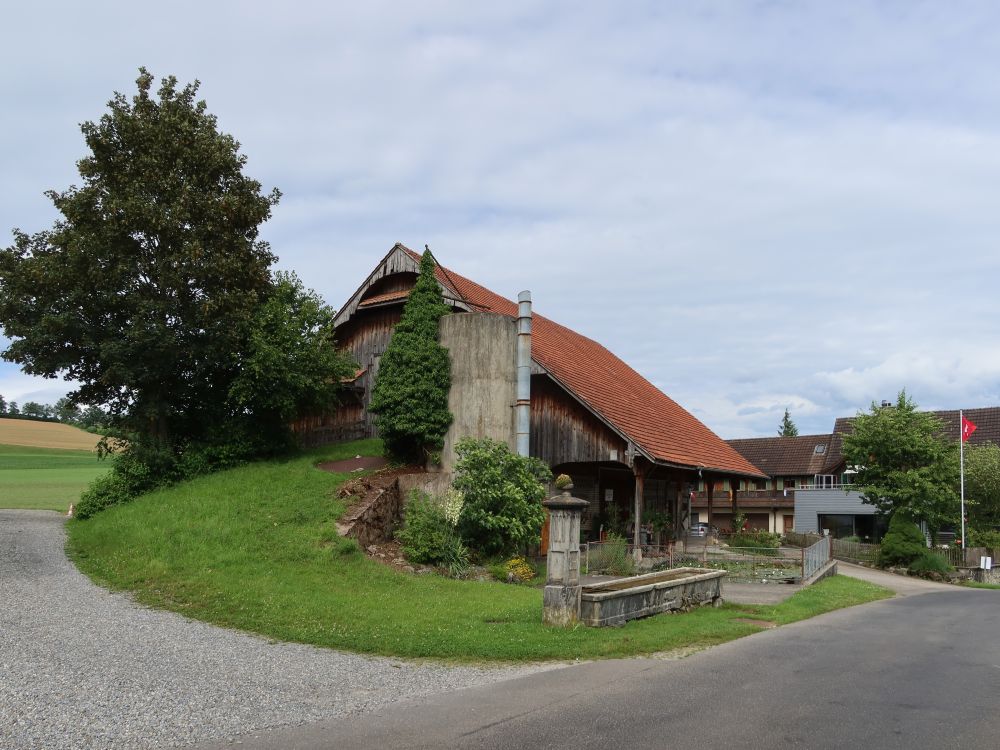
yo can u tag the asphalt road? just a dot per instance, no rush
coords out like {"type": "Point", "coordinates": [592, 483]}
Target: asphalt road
{"type": "Point", "coordinates": [918, 671]}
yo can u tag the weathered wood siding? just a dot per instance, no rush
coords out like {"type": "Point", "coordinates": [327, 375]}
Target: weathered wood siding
{"type": "Point", "coordinates": [398, 282]}
{"type": "Point", "coordinates": [396, 262]}
{"type": "Point", "coordinates": [346, 423]}
{"type": "Point", "coordinates": [365, 338]}
{"type": "Point", "coordinates": [563, 431]}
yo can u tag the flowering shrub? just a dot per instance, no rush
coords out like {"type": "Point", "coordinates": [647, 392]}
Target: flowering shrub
{"type": "Point", "coordinates": [518, 569]}
{"type": "Point", "coordinates": [429, 537]}
{"type": "Point", "coordinates": [451, 505]}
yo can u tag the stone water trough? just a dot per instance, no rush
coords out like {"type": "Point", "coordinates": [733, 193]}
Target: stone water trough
{"type": "Point", "coordinates": [616, 602]}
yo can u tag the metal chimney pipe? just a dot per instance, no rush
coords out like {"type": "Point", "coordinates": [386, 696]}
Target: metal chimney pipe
{"type": "Point", "coordinates": [523, 408]}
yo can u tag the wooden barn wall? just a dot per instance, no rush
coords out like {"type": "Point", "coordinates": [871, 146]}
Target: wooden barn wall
{"type": "Point", "coordinates": [365, 339]}
{"type": "Point", "coordinates": [396, 263]}
{"type": "Point", "coordinates": [398, 282]}
{"type": "Point", "coordinates": [563, 431]}
{"type": "Point", "coordinates": [346, 423]}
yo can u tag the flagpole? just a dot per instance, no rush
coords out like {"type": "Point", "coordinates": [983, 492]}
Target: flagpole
{"type": "Point", "coordinates": [961, 470]}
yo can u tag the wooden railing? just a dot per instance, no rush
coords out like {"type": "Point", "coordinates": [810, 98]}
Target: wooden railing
{"type": "Point", "coordinates": [723, 495]}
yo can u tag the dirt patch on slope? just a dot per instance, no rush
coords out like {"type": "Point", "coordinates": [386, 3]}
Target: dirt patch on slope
{"type": "Point", "coordinates": [358, 463]}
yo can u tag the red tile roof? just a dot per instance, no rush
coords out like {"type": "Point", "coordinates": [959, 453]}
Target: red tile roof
{"type": "Point", "coordinates": [612, 389]}
{"type": "Point", "coordinates": [785, 456]}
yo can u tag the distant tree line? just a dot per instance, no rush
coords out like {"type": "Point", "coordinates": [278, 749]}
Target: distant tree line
{"type": "Point", "coordinates": [92, 418]}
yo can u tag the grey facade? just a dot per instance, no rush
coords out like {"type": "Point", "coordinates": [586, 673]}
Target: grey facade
{"type": "Point", "coordinates": [810, 504]}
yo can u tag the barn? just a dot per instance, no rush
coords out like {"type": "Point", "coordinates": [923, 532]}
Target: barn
{"type": "Point", "coordinates": [630, 449]}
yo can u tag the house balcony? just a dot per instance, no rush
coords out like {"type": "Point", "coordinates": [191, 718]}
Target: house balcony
{"type": "Point", "coordinates": [747, 498]}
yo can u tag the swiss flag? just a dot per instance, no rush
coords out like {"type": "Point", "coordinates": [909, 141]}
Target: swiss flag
{"type": "Point", "coordinates": [968, 428]}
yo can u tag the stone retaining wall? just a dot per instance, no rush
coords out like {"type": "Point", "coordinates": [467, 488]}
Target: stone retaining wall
{"type": "Point", "coordinates": [376, 519]}
{"type": "Point", "coordinates": [986, 576]}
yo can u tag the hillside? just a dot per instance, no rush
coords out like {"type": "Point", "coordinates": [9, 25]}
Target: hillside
{"type": "Point", "coordinates": [45, 435]}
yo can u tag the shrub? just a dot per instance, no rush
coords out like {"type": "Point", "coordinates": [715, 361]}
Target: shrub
{"type": "Point", "coordinates": [515, 570]}
{"type": "Point", "coordinates": [929, 562]}
{"type": "Point", "coordinates": [131, 475]}
{"type": "Point", "coordinates": [755, 538]}
{"type": "Point", "coordinates": [140, 469]}
{"type": "Point", "coordinates": [990, 539]}
{"type": "Point", "coordinates": [852, 539]}
{"type": "Point", "coordinates": [903, 543]}
{"type": "Point", "coordinates": [428, 537]}
{"type": "Point", "coordinates": [503, 491]}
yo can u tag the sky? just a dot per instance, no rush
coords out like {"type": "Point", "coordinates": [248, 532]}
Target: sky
{"type": "Point", "coordinates": [758, 205]}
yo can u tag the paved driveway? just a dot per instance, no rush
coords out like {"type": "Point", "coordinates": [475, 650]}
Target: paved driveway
{"type": "Point", "coordinates": [81, 667]}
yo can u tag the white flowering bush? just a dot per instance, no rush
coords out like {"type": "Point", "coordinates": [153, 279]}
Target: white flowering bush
{"type": "Point", "coordinates": [451, 505]}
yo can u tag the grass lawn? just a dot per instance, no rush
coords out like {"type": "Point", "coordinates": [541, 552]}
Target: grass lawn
{"type": "Point", "coordinates": [977, 585]}
{"type": "Point", "coordinates": [45, 478]}
{"type": "Point", "coordinates": [254, 548]}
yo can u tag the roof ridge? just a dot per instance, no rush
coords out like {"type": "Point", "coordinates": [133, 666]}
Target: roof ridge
{"type": "Point", "coordinates": [626, 400]}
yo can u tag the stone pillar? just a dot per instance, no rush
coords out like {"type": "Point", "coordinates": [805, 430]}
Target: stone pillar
{"type": "Point", "coordinates": [561, 600]}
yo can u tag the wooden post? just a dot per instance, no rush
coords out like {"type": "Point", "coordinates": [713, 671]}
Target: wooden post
{"type": "Point", "coordinates": [640, 482]}
{"type": "Point", "coordinates": [678, 505]}
{"type": "Point", "coordinates": [709, 491]}
{"type": "Point", "coordinates": [734, 485]}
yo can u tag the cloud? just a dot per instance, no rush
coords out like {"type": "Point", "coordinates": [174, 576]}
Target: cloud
{"type": "Point", "coordinates": [945, 378]}
{"type": "Point", "coordinates": [757, 206]}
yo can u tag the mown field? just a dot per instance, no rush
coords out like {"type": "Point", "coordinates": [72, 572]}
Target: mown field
{"type": "Point", "coordinates": [46, 435]}
{"type": "Point", "coordinates": [255, 548]}
{"type": "Point", "coordinates": [45, 465]}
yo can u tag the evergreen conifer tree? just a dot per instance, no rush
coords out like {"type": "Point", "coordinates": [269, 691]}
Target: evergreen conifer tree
{"type": "Point", "coordinates": [787, 427]}
{"type": "Point", "coordinates": [410, 397]}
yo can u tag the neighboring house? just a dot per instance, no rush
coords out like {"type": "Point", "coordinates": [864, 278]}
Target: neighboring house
{"type": "Point", "coordinates": [810, 471]}
{"type": "Point", "coordinates": [622, 440]}
{"type": "Point", "coordinates": [769, 504]}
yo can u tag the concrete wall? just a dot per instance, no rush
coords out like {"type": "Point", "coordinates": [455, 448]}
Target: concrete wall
{"type": "Point", "coordinates": [483, 349]}
{"type": "Point", "coordinates": [809, 504]}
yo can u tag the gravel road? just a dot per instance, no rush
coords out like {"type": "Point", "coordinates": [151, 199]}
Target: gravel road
{"type": "Point", "coordinates": [81, 667]}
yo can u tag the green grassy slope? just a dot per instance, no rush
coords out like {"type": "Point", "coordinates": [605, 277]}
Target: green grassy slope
{"type": "Point", "coordinates": [45, 478]}
{"type": "Point", "coordinates": [255, 548]}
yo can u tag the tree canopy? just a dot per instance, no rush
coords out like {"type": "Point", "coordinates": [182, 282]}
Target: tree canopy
{"type": "Point", "coordinates": [410, 396]}
{"type": "Point", "coordinates": [153, 290]}
{"type": "Point", "coordinates": [904, 462]}
{"type": "Point", "coordinates": [787, 427]}
{"type": "Point", "coordinates": [982, 485]}
{"type": "Point", "coordinates": [291, 366]}
{"type": "Point", "coordinates": [148, 282]}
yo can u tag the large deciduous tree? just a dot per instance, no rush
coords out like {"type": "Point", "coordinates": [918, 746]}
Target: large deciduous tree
{"type": "Point", "coordinates": [904, 462]}
{"type": "Point", "coordinates": [410, 397]}
{"type": "Point", "coordinates": [982, 485]}
{"type": "Point", "coordinates": [291, 367]}
{"type": "Point", "coordinates": [145, 289]}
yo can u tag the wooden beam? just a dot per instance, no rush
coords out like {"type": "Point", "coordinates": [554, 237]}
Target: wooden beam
{"type": "Point", "coordinates": [639, 470]}
{"type": "Point", "coordinates": [734, 501]}
{"type": "Point", "coordinates": [709, 491]}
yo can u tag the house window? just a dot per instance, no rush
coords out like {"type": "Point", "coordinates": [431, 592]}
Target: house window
{"type": "Point", "coordinates": [824, 480]}
{"type": "Point", "coordinates": [789, 484]}
{"type": "Point", "coordinates": [761, 484]}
